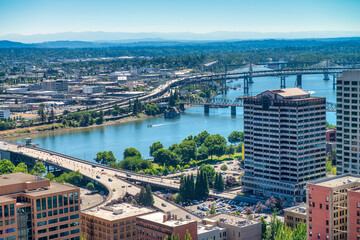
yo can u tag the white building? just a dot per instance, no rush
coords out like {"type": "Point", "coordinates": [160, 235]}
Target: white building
{"type": "Point", "coordinates": [284, 132]}
{"type": "Point", "coordinates": [348, 122]}
{"type": "Point", "coordinates": [208, 230]}
{"type": "Point", "coordinates": [5, 113]}
{"type": "Point", "coordinates": [93, 89]}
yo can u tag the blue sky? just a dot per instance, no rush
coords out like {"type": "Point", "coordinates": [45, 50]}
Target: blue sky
{"type": "Point", "coordinates": [199, 16]}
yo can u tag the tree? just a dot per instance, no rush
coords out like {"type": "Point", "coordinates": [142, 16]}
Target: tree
{"type": "Point", "coordinates": [100, 119]}
{"type": "Point", "coordinates": [6, 167]}
{"type": "Point", "coordinates": [200, 138]}
{"type": "Point", "coordinates": [230, 181]}
{"type": "Point", "coordinates": [236, 137]}
{"type": "Point", "coordinates": [131, 163]}
{"type": "Point", "coordinates": [42, 114]}
{"type": "Point", "coordinates": [146, 196]}
{"type": "Point", "coordinates": [249, 210]}
{"type": "Point", "coordinates": [203, 153]}
{"type": "Point", "coordinates": [171, 99]}
{"type": "Point", "coordinates": [50, 176]}
{"type": "Point", "coordinates": [263, 227]}
{"type": "Point", "coordinates": [219, 184]}
{"type": "Point", "coordinates": [105, 157]}
{"type": "Point", "coordinates": [154, 147]}
{"type": "Point", "coordinates": [230, 150]}
{"type": "Point", "coordinates": [212, 209]}
{"type": "Point", "coordinates": [21, 167]}
{"type": "Point", "coordinates": [216, 145]}
{"type": "Point", "coordinates": [187, 150]}
{"type": "Point", "coordinates": [131, 152]}
{"type": "Point", "coordinates": [166, 157]}
{"type": "Point", "coordinates": [142, 194]}
{"type": "Point", "coordinates": [224, 167]}
{"type": "Point", "coordinates": [39, 168]}
{"type": "Point", "coordinates": [259, 207]}
{"type": "Point", "coordinates": [210, 173]}
{"type": "Point", "coordinates": [272, 202]}
{"type": "Point", "coordinates": [300, 232]}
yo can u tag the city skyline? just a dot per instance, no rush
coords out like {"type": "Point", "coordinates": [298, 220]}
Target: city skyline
{"type": "Point", "coordinates": [44, 17]}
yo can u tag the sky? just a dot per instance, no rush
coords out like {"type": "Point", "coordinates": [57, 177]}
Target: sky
{"type": "Point", "coordinates": [199, 16]}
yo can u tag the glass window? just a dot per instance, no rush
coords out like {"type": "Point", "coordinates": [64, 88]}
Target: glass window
{"type": "Point", "coordinates": [1, 212]}
{"type": "Point", "coordinates": [76, 197]}
{"type": "Point", "coordinates": [74, 216]}
{"type": "Point", "coordinates": [54, 236]}
{"type": "Point", "coordinates": [42, 223]}
{"type": "Point", "coordinates": [54, 201]}
{"type": "Point", "coordinates": [65, 199]}
{"type": "Point", "coordinates": [49, 203]}
{"type": "Point", "coordinates": [64, 219]}
{"type": "Point", "coordinates": [12, 210]}
{"type": "Point", "coordinates": [43, 203]}
{"type": "Point", "coordinates": [75, 231]}
{"type": "Point", "coordinates": [60, 201]}
{"type": "Point", "coordinates": [6, 211]}
{"type": "Point", "coordinates": [53, 221]}
{"type": "Point", "coordinates": [71, 199]}
{"type": "Point", "coordinates": [38, 205]}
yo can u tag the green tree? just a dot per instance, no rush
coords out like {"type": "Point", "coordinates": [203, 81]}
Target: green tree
{"type": "Point", "coordinates": [212, 209]}
{"type": "Point", "coordinates": [100, 119]}
{"type": "Point", "coordinates": [300, 232]}
{"type": "Point", "coordinates": [200, 138]}
{"type": "Point", "coordinates": [235, 137]}
{"type": "Point", "coordinates": [263, 227]}
{"type": "Point", "coordinates": [146, 196]}
{"type": "Point", "coordinates": [187, 235]}
{"type": "Point", "coordinates": [6, 167]}
{"type": "Point", "coordinates": [203, 153]}
{"type": "Point", "coordinates": [39, 168]}
{"type": "Point", "coordinates": [154, 147]}
{"type": "Point", "coordinates": [166, 157]}
{"type": "Point", "coordinates": [216, 145]}
{"type": "Point", "coordinates": [21, 167]}
{"type": "Point", "coordinates": [230, 150]}
{"type": "Point", "coordinates": [224, 167]}
{"type": "Point", "coordinates": [105, 157]}
{"type": "Point", "coordinates": [42, 114]}
{"type": "Point", "coordinates": [50, 176]}
{"type": "Point", "coordinates": [187, 150]}
{"type": "Point", "coordinates": [142, 196]}
{"type": "Point", "coordinates": [171, 99]}
{"type": "Point", "coordinates": [210, 173]}
{"type": "Point", "coordinates": [131, 152]}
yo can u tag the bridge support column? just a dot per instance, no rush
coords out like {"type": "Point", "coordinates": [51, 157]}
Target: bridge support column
{"type": "Point", "coordinates": [251, 80]}
{"type": "Point", "coordinates": [326, 76]}
{"type": "Point", "coordinates": [182, 106]}
{"type": "Point", "coordinates": [246, 86]}
{"type": "Point", "coordinates": [282, 82]}
{"type": "Point", "coordinates": [299, 81]}
{"type": "Point", "coordinates": [334, 82]}
{"type": "Point", "coordinates": [206, 109]}
{"type": "Point", "coordinates": [225, 87]}
{"type": "Point", "coordinates": [233, 111]}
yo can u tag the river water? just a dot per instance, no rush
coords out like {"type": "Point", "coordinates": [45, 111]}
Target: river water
{"type": "Point", "coordinates": [85, 143]}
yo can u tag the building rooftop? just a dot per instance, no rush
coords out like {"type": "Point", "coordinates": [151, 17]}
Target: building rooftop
{"type": "Point", "coordinates": [300, 209]}
{"type": "Point", "coordinates": [208, 228]}
{"type": "Point", "coordinates": [159, 217]}
{"type": "Point", "coordinates": [233, 220]}
{"type": "Point", "coordinates": [117, 211]}
{"type": "Point", "coordinates": [291, 93]}
{"type": "Point", "coordinates": [54, 187]}
{"type": "Point", "coordinates": [338, 181]}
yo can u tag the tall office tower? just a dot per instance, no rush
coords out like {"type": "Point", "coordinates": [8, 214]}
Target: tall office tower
{"type": "Point", "coordinates": [284, 133]}
{"type": "Point", "coordinates": [348, 122]}
{"type": "Point", "coordinates": [35, 208]}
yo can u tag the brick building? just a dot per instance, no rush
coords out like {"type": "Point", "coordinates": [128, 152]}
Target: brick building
{"type": "Point", "coordinates": [111, 222]}
{"type": "Point", "coordinates": [35, 208]}
{"type": "Point", "coordinates": [158, 226]}
{"type": "Point", "coordinates": [294, 215]}
{"type": "Point", "coordinates": [334, 208]}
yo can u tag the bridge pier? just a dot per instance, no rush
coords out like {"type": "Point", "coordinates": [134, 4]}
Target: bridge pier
{"type": "Point", "coordinates": [233, 111]}
{"type": "Point", "coordinates": [246, 86]}
{"type": "Point", "coordinates": [206, 109]}
{"type": "Point", "coordinates": [251, 80]}
{"type": "Point", "coordinates": [334, 82]}
{"type": "Point", "coordinates": [282, 82]}
{"type": "Point", "coordinates": [299, 81]}
{"type": "Point", "coordinates": [182, 106]}
{"type": "Point", "coordinates": [326, 76]}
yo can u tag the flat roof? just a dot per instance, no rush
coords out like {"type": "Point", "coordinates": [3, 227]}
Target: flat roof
{"type": "Point", "coordinates": [291, 92]}
{"type": "Point", "coordinates": [233, 220]}
{"type": "Point", "coordinates": [158, 217]}
{"type": "Point", "coordinates": [337, 181]}
{"type": "Point", "coordinates": [208, 228]}
{"type": "Point", "coordinates": [117, 211]}
{"type": "Point", "coordinates": [54, 187]}
{"type": "Point", "coordinates": [15, 178]}
{"type": "Point", "coordinates": [300, 209]}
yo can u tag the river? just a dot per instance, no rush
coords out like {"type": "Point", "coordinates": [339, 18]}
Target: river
{"type": "Point", "coordinates": [85, 143]}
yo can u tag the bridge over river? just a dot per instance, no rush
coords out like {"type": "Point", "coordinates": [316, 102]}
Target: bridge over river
{"type": "Point", "coordinates": [121, 181]}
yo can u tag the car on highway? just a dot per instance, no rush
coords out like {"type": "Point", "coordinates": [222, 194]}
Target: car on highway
{"type": "Point", "coordinates": [128, 175]}
{"type": "Point", "coordinates": [110, 180]}
{"type": "Point", "coordinates": [97, 176]}
{"type": "Point", "coordinates": [163, 204]}
{"type": "Point", "coordinates": [93, 166]}
{"type": "Point", "coordinates": [188, 217]}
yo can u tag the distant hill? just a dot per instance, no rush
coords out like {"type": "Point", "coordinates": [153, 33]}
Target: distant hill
{"type": "Point", "coordinates": [10, 44]}
{"type": "Point", "coordinates": [126, 37]}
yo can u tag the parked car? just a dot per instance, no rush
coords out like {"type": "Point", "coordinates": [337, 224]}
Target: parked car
{"type": "Point", "coordinates": [110, 180]}
{"type": "Point", "coordinates": [163, 204]}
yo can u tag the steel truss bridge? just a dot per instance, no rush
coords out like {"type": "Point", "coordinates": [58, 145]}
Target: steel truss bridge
{"type": "Point", "coordinates": [282, 74]}
{"type": "Point", "coordinates": [224, 103]}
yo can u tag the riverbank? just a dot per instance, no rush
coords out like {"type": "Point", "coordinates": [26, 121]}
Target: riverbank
{"type": "Point", "coordinates": [33, 132]}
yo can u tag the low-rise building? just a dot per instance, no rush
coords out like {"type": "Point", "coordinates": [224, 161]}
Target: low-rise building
{"type": "Point", "coordinates": [294, 215]}
{"type": "Point", "coordinates": [93, 89]}
{"type": "Point", "coordinates": [237, 227]}
{"type": "Point", "coordinates": [4, 113]}
{"type": "Point", "coordinates": [209, 230]}
{"type": "Point", "coordinates": [55, 85]}
{"type": "Point", "coordinates": [159, 226]}
{"type": "Point", "coordinates": [111, 222]}
{"type": "Point", "coordinates": [35, 208]}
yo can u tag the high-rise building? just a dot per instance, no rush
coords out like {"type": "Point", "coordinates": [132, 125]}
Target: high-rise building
{"type": "Point", "coordinates": [35, 208]}
{"type": "Point", "coordinates": [334, 208]}
{"type": "Point", "coordinates": [284, 132]}
{"type": "Point", "coordinates": [348, 122]}
{"type": "Point", "coordinates": [111, 222]}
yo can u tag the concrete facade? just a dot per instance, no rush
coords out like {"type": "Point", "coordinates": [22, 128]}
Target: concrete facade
{"type": "Point", "coordinates": [55, 85]}
{"type": "Point", "coordinates": [158, 226]}
{"type": "Point", "coordinates": [284, 132]}
{"type": "Point", "coordinates": [35, 208]}
{"type": "Point", "coordinates": [329, 209]}
{"type": "Point", "coordinates": [348, 122]}
{"type": "Point", "coordinates": [294, 215]}
{"type": "Point", "coordinates": [112, 222]}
